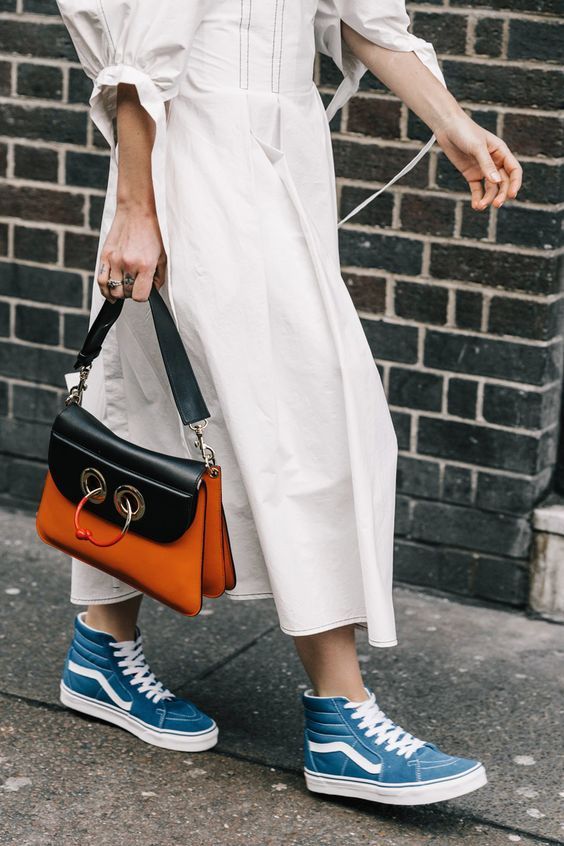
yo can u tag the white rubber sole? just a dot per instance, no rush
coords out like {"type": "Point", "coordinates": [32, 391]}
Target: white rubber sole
{"type": "Point", "coordinates": [176, 740]}
{"type": "Point", "coordinates": [411, 794]}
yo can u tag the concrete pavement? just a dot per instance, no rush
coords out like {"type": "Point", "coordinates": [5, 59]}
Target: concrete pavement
{"type": "Point", "coordinates": [478, 681]}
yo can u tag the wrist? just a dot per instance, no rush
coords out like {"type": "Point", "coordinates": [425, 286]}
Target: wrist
{"type": "Point", "coordinates": [449, 113]}
{"type": "Point", "coordinates": [139, 206]}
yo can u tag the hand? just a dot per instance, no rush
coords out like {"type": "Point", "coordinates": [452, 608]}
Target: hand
{"type": "Point", "coordinates": [480, 155]}
{"type": "Point", "coordinates": [134, 246]}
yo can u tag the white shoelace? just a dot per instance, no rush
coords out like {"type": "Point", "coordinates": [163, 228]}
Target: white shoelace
{"type": "Point", "coordinates": [135, 664]}
{"type": "Point", "coordinates": [377, 725]}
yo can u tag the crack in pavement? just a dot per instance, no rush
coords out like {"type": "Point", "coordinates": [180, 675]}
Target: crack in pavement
{"type": "Point", "coordinates": [358, 805]}
{"type": "Point", "coordinates": [203, 674]}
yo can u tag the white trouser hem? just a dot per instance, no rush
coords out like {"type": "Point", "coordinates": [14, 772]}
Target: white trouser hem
{"type": "Point", "coordinates": [104, 600]}
{"type": "Point", "coordinates": [244, 596]}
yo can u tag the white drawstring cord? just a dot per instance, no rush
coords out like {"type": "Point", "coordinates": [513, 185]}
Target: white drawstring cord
{"type": "Point", "coordinates": [395, 178]}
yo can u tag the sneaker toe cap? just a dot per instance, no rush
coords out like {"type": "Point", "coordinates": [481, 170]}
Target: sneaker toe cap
{"type": "Point", "coordinates": [436, 764]}
{"type": "Point", "coordinates": [183, 715]}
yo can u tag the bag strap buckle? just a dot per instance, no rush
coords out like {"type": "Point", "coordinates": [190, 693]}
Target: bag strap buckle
{"type": "Point", "coordinates": [206, 450]}
{"type": "Point", "coordinates": [76, 392]}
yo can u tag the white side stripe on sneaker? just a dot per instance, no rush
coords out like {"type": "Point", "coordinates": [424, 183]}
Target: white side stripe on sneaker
{"type": "Point", "coordinates": [339, 746]}
{"type": "Point", "coordinates": [102, 680]}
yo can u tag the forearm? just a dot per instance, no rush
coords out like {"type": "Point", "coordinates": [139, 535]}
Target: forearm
{"type": "Point", "coordinates": [134, 245]}
{"type": "Point", "coordinates": [406, 75]}
{"type": "Point", "coordinates": [136, 135]}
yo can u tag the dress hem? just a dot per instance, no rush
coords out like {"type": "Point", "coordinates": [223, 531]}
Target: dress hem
{"type": "Point", "coordinates": [360, 621]}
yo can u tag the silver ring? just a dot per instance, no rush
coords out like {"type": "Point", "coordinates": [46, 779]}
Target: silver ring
{"type": "Point", "coordinates": [129, 279]}
{"type": "Point", "coordinates": [115, 283]}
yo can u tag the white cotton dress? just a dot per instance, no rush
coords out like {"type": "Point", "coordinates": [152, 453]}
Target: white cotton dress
{"type": "Point", "coordinates": [245, 194]}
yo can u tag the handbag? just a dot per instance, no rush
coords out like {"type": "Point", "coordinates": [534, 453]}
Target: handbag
{"type": "Point", "coordinates": [152, 520]}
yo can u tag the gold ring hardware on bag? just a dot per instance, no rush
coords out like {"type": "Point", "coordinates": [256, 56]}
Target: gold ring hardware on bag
{"type": "Point", "coordinates": [93, 485]}
{"type": "Point", "coordinates": [207, 452]}
{"type": "Point", "coordinates": [128, 499]}
{"type": "Point", "coordinates": [84, 534]}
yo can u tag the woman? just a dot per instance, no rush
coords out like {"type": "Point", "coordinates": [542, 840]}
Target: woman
{"type": "Point", "coordinates": [224, 194]}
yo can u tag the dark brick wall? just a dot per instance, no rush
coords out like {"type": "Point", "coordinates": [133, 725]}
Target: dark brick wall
{"type": "Point", "coordinates": [52, 172]}
{"type": "Point", "coordinates": [462, 309]}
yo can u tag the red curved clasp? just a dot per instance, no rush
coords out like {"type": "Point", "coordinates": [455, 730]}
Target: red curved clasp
{"type": "Point", "coordinates": [86, 534]}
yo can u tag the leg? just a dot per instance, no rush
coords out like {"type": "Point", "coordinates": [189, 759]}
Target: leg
{"type": "Point", "coordinates": [331, 662]}
{"type": "Point", "coordinates": [353, 749]}
{"type": "Point", "coordinates": [117, 618]}
{"type": "Point", "coordinates": [106, 675]}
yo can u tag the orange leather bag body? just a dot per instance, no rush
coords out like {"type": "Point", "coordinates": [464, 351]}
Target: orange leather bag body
{"type": "Point", "coordinates": [152, 520]}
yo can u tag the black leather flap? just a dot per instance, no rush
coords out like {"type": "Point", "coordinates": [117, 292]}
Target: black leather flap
{"type": "Point", "coordinates": [168, 486]}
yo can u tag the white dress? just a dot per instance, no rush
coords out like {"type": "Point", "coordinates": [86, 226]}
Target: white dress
{"type": "Point", "coordinates": [245, 194]}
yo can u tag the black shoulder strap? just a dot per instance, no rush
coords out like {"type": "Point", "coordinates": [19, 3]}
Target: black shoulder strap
{"type": "Point", "coordinates": [185, 389]}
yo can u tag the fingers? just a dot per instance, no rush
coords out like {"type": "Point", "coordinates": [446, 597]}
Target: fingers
{"type": "Point", "coordinates": [515, 172]}
{"type": "Point", "coordinates": [494, 193]}
{"type": "Point", "coordinates": [136, 278]}
{"type": "Point", "coordinates": [136, 282]}
{"type": "Point", "coordinates": [483, 192]}
{"type": "Point", "coordinates": [502, 191]}
{"type": "Point", "coordinates": [116, 275]}
{"type": "Point", "coordinates": [491, 192]}
{"type": "Point", "coordinates": [143, 285]}
{"type": "Point", "coordinates": [507, 169]}
{"type": "Point", "coordinates": [146, 278]}
{"type": "Point", "coordinates": [111, 271]}
{"type": "Point", "coordinates": [476, 194]}
{"type": "Point", "coordinates": [104, 277]}
{"type": "Point", "coordinates": [160, 274]}
{"type": "Point", "coordinates": [127, 274]}
{"type": "Point", "coordinates": [487, 164]}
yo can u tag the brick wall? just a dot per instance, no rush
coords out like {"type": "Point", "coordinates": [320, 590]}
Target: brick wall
{"type": "Point", "coordinates": [463, 311]}
{"type": "Point", "coordinates": [53, 168]}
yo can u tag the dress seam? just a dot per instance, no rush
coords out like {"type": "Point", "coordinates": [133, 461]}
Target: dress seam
{"type": "Point", "coordinates": [273, 46]}
{"type": "Point", "coordinates": [106, 25]}
{"type": "Point", "coordinates": [281, 43]}
{"type": "Point", "coordinates": [246, 14]}
{"type": "Point", "coordinates": [277, 46]}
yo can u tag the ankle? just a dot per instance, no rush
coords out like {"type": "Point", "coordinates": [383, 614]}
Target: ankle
{"type": "Point", "coordinates": [118, 629]}
{"type": "Point", "coordinates": [118, 619]}
{"type": "Point", "coordinates": [353, 693]}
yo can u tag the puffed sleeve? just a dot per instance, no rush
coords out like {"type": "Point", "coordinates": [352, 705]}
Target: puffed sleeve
{"type": "Point", "coordinates": [385, 23]}
{"type": "Point", "coordinates": [145, 43]}
{"type": "Point", "coordinates": [141, 42]}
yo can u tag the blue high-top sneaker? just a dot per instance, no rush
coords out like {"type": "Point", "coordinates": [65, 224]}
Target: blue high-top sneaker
{"type": "Point", "coordinates": [353, 749]}
{"type": "Point", "coordinates": [111, 680]}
